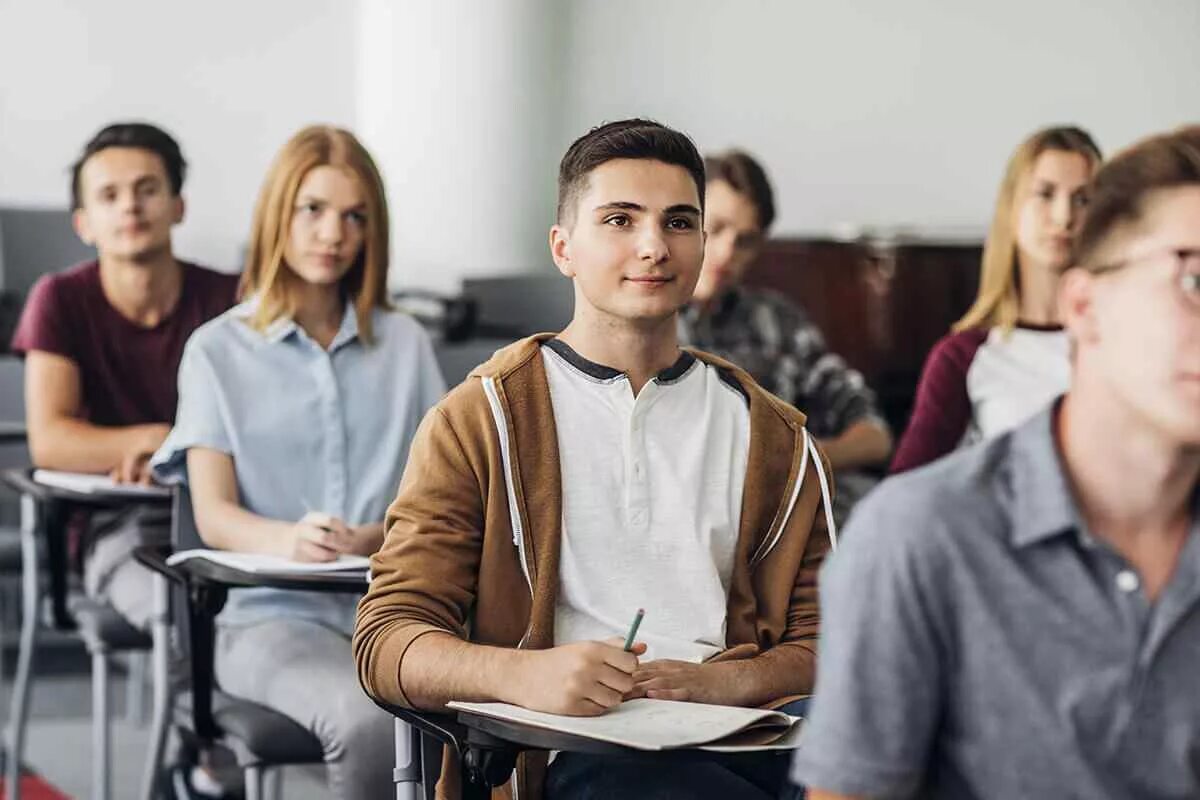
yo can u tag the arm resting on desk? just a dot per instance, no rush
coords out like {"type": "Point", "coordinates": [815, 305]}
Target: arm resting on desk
{"type": "Point", "coordinates": [60, 439]}
{"type": "Point", "coordinates": [225, 525]}
{"type": "Point", "coordinates": [780, 672]}
{"type": "Point", "coordinates": [580, 679]}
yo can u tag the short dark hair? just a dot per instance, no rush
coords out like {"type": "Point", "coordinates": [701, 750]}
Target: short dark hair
{"type": "Point", "coordinates": [141, 135]}
{"type": "Point", "coordinates": [627, 138]}
{"type": "Point", "coordinates": [1120, 188]}
{"type": "Point", "coordinates": [747, 177]}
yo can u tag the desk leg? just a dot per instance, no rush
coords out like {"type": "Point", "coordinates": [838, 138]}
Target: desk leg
{"type": "Point", "coordinates": [31, 599]}
{"type": "Point", "coordinates": [161, 662]}
{"type": "Point", "coordinates": [101, 728]}
{"type": "Point", "coordinates": [407, 773]}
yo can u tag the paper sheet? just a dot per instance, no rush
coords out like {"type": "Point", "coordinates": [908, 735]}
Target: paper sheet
{"type": "Point", "coordinates": [272, 565]}
{"type": "Point", "coordinates": [85, 483]}
{"type": "Point", "coordinates": [646, 724]}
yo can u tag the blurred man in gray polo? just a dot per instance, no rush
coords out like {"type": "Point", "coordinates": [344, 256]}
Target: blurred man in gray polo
{"type": "Point", "coordinates": [1022, 619]}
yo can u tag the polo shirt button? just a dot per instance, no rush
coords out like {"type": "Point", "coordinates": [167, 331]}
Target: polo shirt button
{"type": "Point", "coordinates": [1127, 581]}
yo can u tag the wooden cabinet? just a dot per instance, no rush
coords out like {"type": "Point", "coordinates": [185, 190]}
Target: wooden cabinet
{"type": "Point", "coordinates": [880, 303]}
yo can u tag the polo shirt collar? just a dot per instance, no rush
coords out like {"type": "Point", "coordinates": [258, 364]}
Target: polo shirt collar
{"type": "Point", "coordinates": [604, 373]}
{"type": "Point", "coordinates": [1043, 505]}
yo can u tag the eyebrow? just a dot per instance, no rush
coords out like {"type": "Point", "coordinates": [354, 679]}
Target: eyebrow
{"type": "Point", "coordinates": [305, 199]}
{"type": "Point", "coordinates": [140, 179]}
{"type": "Point", "coordinates": [620, 205]}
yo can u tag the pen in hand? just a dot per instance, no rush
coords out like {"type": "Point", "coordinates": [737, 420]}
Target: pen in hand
{"type": "Point", "coordinates": [633, 629]}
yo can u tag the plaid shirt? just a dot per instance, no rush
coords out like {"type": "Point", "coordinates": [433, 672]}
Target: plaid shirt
{"type": "Point", "coordinates": [773, 339]}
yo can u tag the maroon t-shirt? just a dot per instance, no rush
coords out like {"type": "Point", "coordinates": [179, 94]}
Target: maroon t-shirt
{"type": "Point", "coordinates": [942, 410]}
{"type": "Point", "coordinates": [127, 371]}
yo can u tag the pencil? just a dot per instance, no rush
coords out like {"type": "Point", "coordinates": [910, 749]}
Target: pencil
{"type": "Point", "coordinates": [633, 629]}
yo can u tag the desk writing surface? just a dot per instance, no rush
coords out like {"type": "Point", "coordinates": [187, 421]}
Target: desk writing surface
{"type": "Point", "coordinates": [221, 573]}
{"type": "Point", "coordinates": [274, 565]}
{"type": "Point", "coordinates": [646, 724]}
{"type": "Point", "coordinates": [85, 483]}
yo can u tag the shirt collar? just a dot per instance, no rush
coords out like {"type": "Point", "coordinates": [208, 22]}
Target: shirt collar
{"type": "Point", "coordinates": [283, 327]}
{"type": "Point", "coordinates": [1043, 503]}
{"type": "Point", "coordinates": [603, 373]}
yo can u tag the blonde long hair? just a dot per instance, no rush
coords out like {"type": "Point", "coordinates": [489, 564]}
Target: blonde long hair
{"type": "Point", "coordinates": [998, 302]}
{"type": "Point", "coordinates": [267, 276]}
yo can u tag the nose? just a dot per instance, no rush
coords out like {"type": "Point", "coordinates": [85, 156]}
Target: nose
{"type": "Point", "coordinates": [330, 228]}
{"type": "Point", "coordinates": [131, 203]}
{"type": "Point", "coordinates": [1062, 211]}
{"type": "Point", "coordinates": [652, 246]}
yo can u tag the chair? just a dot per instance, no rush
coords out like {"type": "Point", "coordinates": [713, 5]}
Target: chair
{"type": "Point", "coordinates": [486, 749]}
{"type": "Point", "coordinates": [260, 738]}
{"type": "Point", "coordinates": [44, 517]}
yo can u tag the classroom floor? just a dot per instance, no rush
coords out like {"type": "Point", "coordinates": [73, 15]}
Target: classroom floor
{"type": "Point", "coordinates": [59, 738]}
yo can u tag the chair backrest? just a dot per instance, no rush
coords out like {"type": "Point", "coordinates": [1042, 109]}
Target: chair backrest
{"type": "Point", "coordinates": [183, 527]}
{"type": "Point", "coordinates": [184, 533]}
{"type": "Point", "coordinates": [200, 673]}
{"type": "Point", "coordinates": [35, 241]}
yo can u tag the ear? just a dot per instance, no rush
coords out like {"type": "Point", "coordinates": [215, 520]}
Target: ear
{"type": "Point", "coordinates": [177, 209]}
{"type": "Point", "coordinates": [560, 249]}
{"type": "Point", "coordinates": [79, 221]}
{"type": "Point", "coordinates": [1077, 306]}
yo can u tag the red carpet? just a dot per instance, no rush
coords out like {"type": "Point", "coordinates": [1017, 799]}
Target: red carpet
{"type": "Point", "coordinates": [34, 788]}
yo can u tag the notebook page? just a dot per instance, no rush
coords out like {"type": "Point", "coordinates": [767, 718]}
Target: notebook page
{"type": "Point", "coordinates": [644, 724]}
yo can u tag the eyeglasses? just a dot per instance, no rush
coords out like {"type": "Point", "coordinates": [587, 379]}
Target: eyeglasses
{"type": "Point", "coordinates": [1187, 271]}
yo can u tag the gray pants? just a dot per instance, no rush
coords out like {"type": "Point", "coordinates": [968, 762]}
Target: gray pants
{"type": "Point", "coordinates": [110, 572]}
{"type": "Point", "coordinates": [306, 671]}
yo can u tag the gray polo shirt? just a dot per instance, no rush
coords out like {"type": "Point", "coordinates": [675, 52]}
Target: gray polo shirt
{"type": "Point", "coordinates": [977, 642]}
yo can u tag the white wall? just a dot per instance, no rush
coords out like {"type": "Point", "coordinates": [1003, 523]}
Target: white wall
{"type": "Point", "coordinates": [459, 104]}
{"type": "Point", "coordinates": [867, 113]}
{"type": "Point", "coordinates": [230, 80]}
{"type": "Point", "coordinates": [884, 113]}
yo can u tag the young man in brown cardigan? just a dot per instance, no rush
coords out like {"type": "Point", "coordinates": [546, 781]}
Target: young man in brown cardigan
{"type": "Point", "coordinates": [573, 478]}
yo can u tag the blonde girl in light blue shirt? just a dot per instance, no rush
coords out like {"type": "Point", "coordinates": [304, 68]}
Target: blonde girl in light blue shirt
{"type": "Point", "coordinates": [296, 411]}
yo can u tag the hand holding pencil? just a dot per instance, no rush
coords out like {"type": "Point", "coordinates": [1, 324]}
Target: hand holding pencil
{"type": "Point", "coordinates": [578, 679]}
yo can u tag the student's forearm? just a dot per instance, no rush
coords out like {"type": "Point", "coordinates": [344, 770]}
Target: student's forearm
{"type": "Point", "coordinates": [372, 535]}
{"type": "Point", "coordinates": [75, 445]}
{"type": "Point", "coordinates": [440, 667]}
{"type": "Point", "coordinates": [817, 794]}
{"type": "Point", "coordinates": [865, 443]}
{"type": "Point", "coordinates": [751, 682]}
{"type": "Point", "coordinates": [227, 526]}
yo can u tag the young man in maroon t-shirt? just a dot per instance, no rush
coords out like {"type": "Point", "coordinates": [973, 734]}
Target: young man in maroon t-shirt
{"type": "Point", "coordinates": [102, 341]}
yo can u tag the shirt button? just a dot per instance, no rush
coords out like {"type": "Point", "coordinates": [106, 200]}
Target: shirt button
{"type": "Point", "coordinates": [639, 518]}
{"type": "Point", "coordinates": [1127, 581]}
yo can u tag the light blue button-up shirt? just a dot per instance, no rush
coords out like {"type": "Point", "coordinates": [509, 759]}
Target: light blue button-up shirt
{"type": "Point", "coordinates": [308, 429]}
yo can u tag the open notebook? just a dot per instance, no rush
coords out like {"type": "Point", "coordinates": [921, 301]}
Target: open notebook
{"type": "Point", "coordinates": [645, 724]}
{"type": "Point", "coordinates": [84, 483]}
{"type": "Point", "coordinates": [273, 565]}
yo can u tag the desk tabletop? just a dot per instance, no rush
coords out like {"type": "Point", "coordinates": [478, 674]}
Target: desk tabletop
{"type": "Point", "coordinates": [211, 572]}
{"type": "Point", "coordinates": [468, 729]}
{"type": "Point", "coordinates": [21, 481]}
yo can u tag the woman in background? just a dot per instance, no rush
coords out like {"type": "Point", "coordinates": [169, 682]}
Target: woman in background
{"type": "Point", "coordinates": [296, 410]}
{"type": "Point", "coordinates": [1008, 356]}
